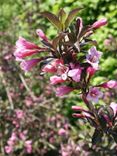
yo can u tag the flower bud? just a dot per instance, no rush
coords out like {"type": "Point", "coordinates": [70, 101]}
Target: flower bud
{"type": "Point", "coordinates": [99, 23]}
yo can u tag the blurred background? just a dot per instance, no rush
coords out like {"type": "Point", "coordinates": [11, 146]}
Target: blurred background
{"type": "Point", "coordinates": [32, 119]}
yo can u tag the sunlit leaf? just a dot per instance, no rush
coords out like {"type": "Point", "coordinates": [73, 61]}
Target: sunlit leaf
{"type": "Point", "coordinates": [71, 16]}
{"type": "Point", "coordinates": [53, 19]}
{"type": "Point", "coordinates": [62, 16]}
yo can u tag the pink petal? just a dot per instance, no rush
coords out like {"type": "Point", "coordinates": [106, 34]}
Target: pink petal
{"type": "Point", "coordinates": [99, 23]}
{"type": "Point", "coordinates": [26, 65]}
{"type": "Point", "coordinates": [22, 43]}
{"type": "Point", "coordinates": [110, 84]}
{"type": "Point", "coordinates": [62, 90]}
{"type": "Point", "coordinates": [41, 34]}
{"type": "Point", "coordinates": [56, 79]}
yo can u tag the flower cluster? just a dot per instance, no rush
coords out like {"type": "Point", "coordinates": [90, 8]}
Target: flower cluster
{"type": "Point", "coordinates": [69, 61]}
{"type": "Point", "coordinates": [14, 139]}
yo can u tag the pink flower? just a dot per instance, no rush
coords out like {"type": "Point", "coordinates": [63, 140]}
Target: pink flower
{"type": "Point", "coordinates": [28, 146]}
{"type": "Point", "coordinates": [91, 71]}
{"type": "Point", "coordinates": [77, 108]}
{"type": "Point", "coordinates": [25, 48]}
{"type": "Point", "coordinates": [22, 135]}
{"type": "Point", "coordinates": [113, 105]}
{"type": "Point", "coordinates": [11, 142]}
{"type": "Point", "coordinates": [93, 57]}
{"type": "Point", "coordinates": [107, 42]}
{"type": "Point", "coordinates": [82, 116]}
{"type": "Point", "coordinates": [8, 149]}
{"type": "Point", "coordinates": [49, 68]}
{"type": "Point", "coordinates": [84, 113]}
{"type": "Point", "coordinates": [19, 113]}
{"type": "Point", "coordinates": [94, 94]}
{"type": "Point", "coordinates": [99, 23]}
{"type": "Point", "coordinates": [62, 90]}
{"type": "Point", "coordinates": [22, 43]}
{"type": "Point", "coordinates": [52, 140]}
{"type": "Point", "coordinates": [110, 84]}
{"type": "Point", "coordinates": [26, 65]}
{"type": "Point", "coordinates": [56, 79]}
{"type": "Point", "coordinates": [52, 67]}
{"type": "Point", "coordinates": [57, 62]}
{"type": "Point", "coordinates": [28, 101]}
{"type": "Point", "coordinates": [62, 132]}
{"type": "Point", "coordinates": [41, 34]}
{"type": "Point", "coordinates": [75, 74]}
{"type": "Point", "coordinates": [16, 123]}
{"type": "Point", "coordinates": [13, 137]}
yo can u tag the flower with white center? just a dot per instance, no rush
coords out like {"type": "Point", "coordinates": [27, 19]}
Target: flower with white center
{"type": "Point", "coordinates": [94, 94]}
{"type": "Point", "coordinates": [93, 57]}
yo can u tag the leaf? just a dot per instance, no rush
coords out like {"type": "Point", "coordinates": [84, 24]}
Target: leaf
{"type": "Point", "coordinates": [114, 134]}
{"type": "Point", "coordinates": [93, 42]}
{"type": "Point", "coordinates": [47, 44]}
{"type": "Point", "coordinates": [110, 112]}
{"type": "Point", "coordinates": [53, 19]}
{"type": "Point", "coordinates": [62, 15]}
{"type": "Point", "coordinates": [102, 121]}
{"type": "Point", "coordinates": [97, 137]}
{"type": "Point", "coordinates": [85, 30]}
{"type": "Point", "coordinates": [79, 26]}
{"type": "Point", "coordinates": [57, 39]}
{"type": "Point", "coordinates": [45, 62]}
{"type": "Point", "coordinates": [71, 16]}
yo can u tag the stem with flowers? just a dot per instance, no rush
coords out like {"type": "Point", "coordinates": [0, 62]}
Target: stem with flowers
{"type": "Point", "coordinates": [72, 65]}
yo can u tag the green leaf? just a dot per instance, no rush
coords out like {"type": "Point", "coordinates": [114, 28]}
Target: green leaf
{"type": "Point", "coordinates": [53, 19]}
{"type": "Point", "coordinates": [71, 16]}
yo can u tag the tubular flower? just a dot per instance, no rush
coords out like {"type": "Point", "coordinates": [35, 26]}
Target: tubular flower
{"type": "Point", "coordinates": [41, 34]}
{"type": "Point", "coordinates": [52, 66]}
{"type": "Point", "coordinates": [75, 73]}
{"type": "Point", "coordinates": [90, 71]}
{"type": "Point", "coordinates": [25, 48]}
{"type": "Point", "coordinates": [110, 84]}
{"type": "Point", "coordinates": [93, 57]}
{"type": "Point", "coordinates": [62, 90]}
{"type": "Point", "coordinates": [99, 23]}
{"type": "Point", "coordinates": [26, 65]}
{"type": "Point", "coordinates": [82, 113]}
{"type": "Point", "coordinates": [94, 94]}
{"type": "Point", "coordinates": [49, 69]}
{"type": "Point", "coordinates": [56, 79]}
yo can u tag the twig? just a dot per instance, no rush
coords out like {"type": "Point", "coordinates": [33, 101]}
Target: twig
{"type": "Point", "coordinates": [26, 86]}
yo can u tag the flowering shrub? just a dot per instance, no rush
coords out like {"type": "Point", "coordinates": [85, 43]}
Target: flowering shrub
{"type": "Point", "coordinates": [72, 60]}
